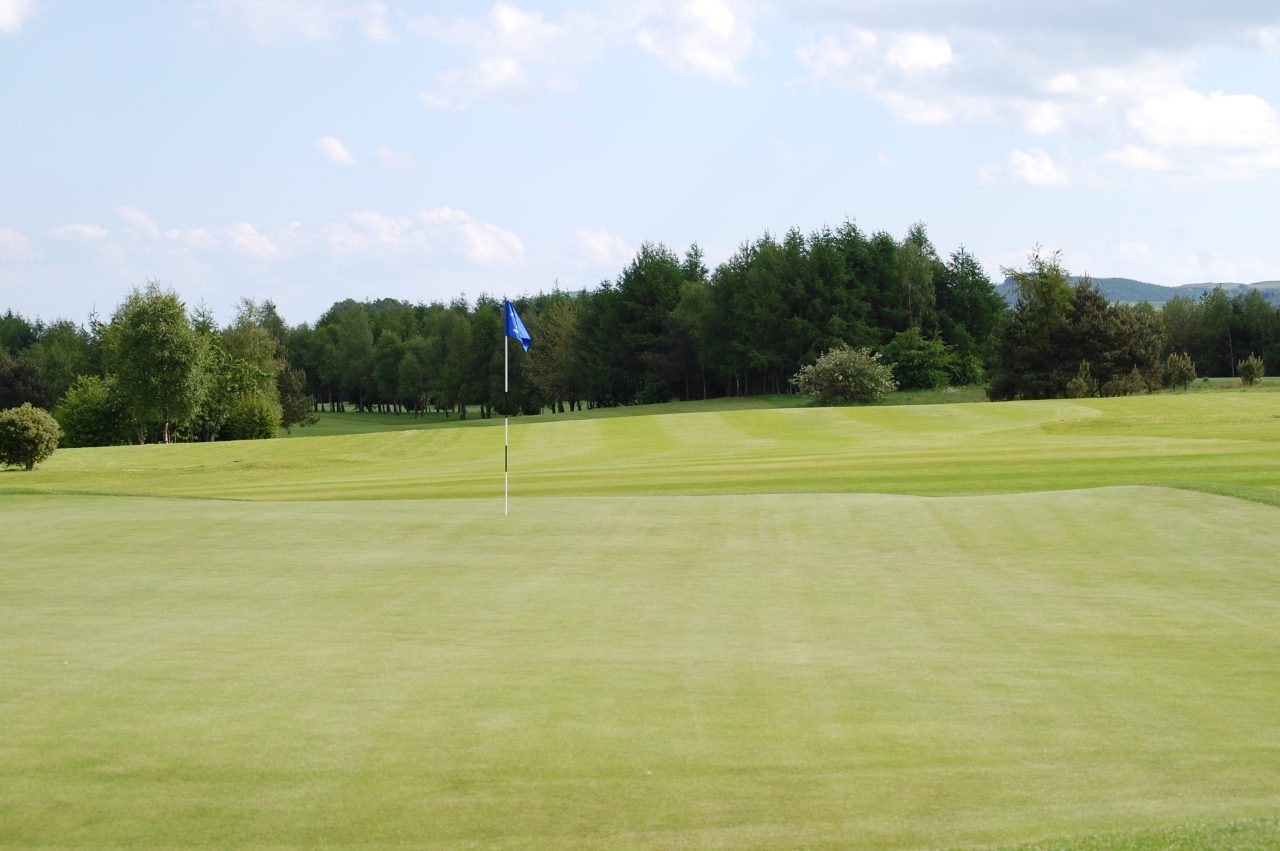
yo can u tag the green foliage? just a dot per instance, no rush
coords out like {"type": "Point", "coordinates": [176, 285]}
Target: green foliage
{"type": "Point", "coordinates": [845, 376]}
{"type": "Point", "coordinates": [90, 413]}
{"type": "Point", "coordinates": [1179, 371]}
{"type": "Point", "coordinates": [1250, 370]}
{"type": "Point", "coordinates": [1083, 385]}
{"type": "Point", "coordinates": [1055, 326]}
{"type": "Point", "coordinates": [28, 435]}
{"type": "Point", "coordinates": [295, 404]}
{"type": "Point", "coordinates": [554, 367]}
{"type": "Point", "coordinates": [1123, 385]}
{"type": "Point", "coordinates": [251, 417]}
{"type": "Point", "coordinates": [155, 356]}
{"type": "Point", "coordinates": [21, 381]}
{"type": "Point", "coordinates": [919, 363]}
{"type": "Point", "coordinates": [966, 369]}
{"type": "Point", "coordinates": [917, 261]}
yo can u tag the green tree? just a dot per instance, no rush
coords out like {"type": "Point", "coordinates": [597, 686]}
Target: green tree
{"type": "Point", "coordinates": [918, 363]}
{"type": "Point", "coordinates": [61, 353]}
{"type": "Point", "coordinates": [1029, 360]}
{"type": "Point", "coordinates": [22, 382]}
{"type": "Point", "coordinates": [1250, 370]}
{"type": "Point", "coordinates": [16, 333]}
{"type": "Point", "coordinates": [1179, 371]}
{"type": "Point", "coordinates": [155, 356]}
{"type": "Point", "coordinates": [554, 367]}
{"type": "Point", "coordinates": [969, 307]}
{"type": "Point", "coordinates": [90, 413]}
{"type": "Point", "coordinates": [916, 261]}
{"type": "Point", "coordinates": [295, 402]}
{"type": "Point", "coordinates": [845, 376]}
{"type": "Point", "coordinates": [28, 436]}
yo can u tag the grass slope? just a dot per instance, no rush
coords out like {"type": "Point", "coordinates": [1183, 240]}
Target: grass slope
{"type": "Point", "coordinates": [1219, 442]}
{"type": "Point", "coordinates": [793, 665]}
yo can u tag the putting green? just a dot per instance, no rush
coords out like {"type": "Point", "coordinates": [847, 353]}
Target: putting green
{"type": "Point", "coordinates": [1093, 667]}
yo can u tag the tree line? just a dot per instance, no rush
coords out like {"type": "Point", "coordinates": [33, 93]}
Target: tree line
{"type": "Point", "coordinates": [667, 327]}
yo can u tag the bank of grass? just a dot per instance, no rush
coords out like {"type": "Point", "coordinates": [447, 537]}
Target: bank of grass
{"type": "Point", "coordinates": [970, 625]}
{"type": "Point", "coordinates": [1223, 443]}
{"type": "Point", "coordinates": [330, 423]}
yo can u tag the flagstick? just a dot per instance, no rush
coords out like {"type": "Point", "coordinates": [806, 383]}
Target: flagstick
{"type": "Point", "coordinates": [506, 419]}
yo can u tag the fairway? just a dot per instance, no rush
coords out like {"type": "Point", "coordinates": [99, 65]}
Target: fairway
{"type": "Point", "coordinates": [949, 626]}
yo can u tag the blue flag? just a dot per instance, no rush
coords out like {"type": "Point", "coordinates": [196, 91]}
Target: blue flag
{"type": "Point", "coordinates": [515, 328]}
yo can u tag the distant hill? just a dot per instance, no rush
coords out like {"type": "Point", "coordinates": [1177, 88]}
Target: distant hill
{"type": "Point", "coordinates": [1129, 290]}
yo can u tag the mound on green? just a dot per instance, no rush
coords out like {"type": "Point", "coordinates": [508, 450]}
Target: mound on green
{"type": "Point", "coordinates": [794, 664]}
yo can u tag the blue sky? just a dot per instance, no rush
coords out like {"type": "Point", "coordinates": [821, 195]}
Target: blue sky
{"type": "Point", "coordinates": [310, 150]}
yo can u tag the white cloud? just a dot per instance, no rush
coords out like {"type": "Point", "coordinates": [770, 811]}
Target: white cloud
{"type": "Point", "coordinates": [367, 231]}
{"type": "Point", "coordinates": [332, 147]}
{"type": "Point", "coordinates": [1038, 168]}
{"type": "Point", "coordinates": [1189, 119]}
{"type": "Point", "coordinates": [517, 55]}
{"type": "Point", "coordinates": [920, 52]}
{"type": "Point", "coordinates": [514, 55]}
{"type": "Point", "coordinates": [442, 231]}
{"type": "Point", "coordinates": [393, 160]}
{"type": "Point", "coordinates": [13, 242]}
{"type": "Point", "coordinates": [891, 69]}
{"type": "Point", "coordinates": [193, 238]}
{"type": "Point", "coordinates": [14, 14]}
{"type": "Point", "coordinates": [246, 239]}
{"type": "Point", "coordinates": [1064, 83]}
{"type": "Point", "coordinates": [139, 222]}
{"type": "Point", "coordinates": [1113, 76]}
{"type": "Point", "coordinates": [706, 37]}
{"type": "Point", "coordinates": [1135, 157]}
{"type": "Point", "coordinates": [490, 245]}
{"type": "Point", "coordinates": [82, 232]}
{"type": "Point", "coordinates": [598, 247]}
{"type": "Point", "coordinates": [306, 20]}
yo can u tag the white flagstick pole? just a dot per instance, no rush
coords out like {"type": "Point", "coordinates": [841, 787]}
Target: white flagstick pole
{"type": "Point", "coordinates": [506, 419]}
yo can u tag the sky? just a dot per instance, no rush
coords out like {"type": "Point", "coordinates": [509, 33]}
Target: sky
{"type": "Point", "coordinates": [307, 151]}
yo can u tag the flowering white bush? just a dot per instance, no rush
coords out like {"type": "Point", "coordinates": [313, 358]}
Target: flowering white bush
{"type": "Point", "coordinates": [844, 376]}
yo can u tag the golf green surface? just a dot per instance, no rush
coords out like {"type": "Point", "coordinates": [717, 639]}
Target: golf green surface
{"type": "Point", "coordinates": [1042, 624]}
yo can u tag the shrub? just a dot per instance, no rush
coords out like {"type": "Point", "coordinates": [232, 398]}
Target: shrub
{"type": "Point", "coordinates": [844, 376]}
{"type": "Point", "coordinates": [90, 413]}
{"type": "Point", "coordinates": [27, 436]}
{"type": "Point", "coordinates": [1123, 385]}
{"type": "Point", "coordinates": [1250, 370]}
{"type": "Point", "coordinates": [252, 417]}
{"type": "Point", "coordinates": [966, 369]}
{"type": "Point", "coordinates": [1178, 370]}
{"type": "Point", "coordinates": [1083, 384]}
{"type": "Point", "coordinates": [918, 363]}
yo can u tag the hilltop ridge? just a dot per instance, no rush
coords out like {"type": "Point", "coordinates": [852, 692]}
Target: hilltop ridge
{"type": "Point", "coordinates": [1130, 290]}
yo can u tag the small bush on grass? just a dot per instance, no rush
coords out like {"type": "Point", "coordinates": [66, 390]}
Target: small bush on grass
{"type": "Point", "coordinates": [1250, 370]}
{"type": "Point", "coordinates": [27, 436]}
{"type": "Point", "coordinates": [844, 376]}
{"type": "Point", "coordinates": [1179, 370]}
{"type": "Point", "coordinates": [253, 417]}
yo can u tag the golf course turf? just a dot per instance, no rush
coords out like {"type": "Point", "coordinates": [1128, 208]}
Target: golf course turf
{"type": "Point", "coordinates": [1026, 625]}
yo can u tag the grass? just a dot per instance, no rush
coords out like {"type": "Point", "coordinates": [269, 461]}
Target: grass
{"type": "Point", "coordinates": [949, 626]}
